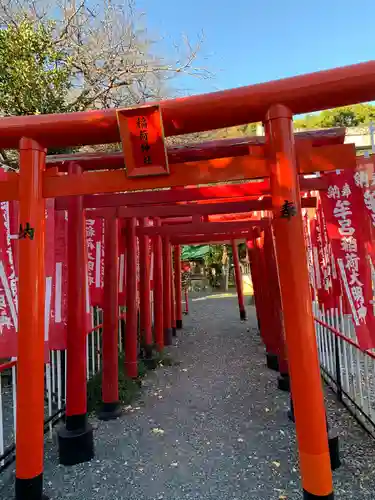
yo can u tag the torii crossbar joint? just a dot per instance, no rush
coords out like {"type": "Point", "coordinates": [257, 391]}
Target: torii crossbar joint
{"type": "Point", "coordinates": [279, 159]}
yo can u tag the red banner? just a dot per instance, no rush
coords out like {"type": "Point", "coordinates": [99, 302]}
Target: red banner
{"type": "Point", "coordinates": [323, 267]}
{"type": "Point", "coordinates": [151, 266]}
{"type": "Point", "coordinates": [309, 253]}
{"type": "Point", "coordinates": [95, 259]}
{"type": "Point", "coordinates": [9, 230]}
{"type": "Point", "coordinates": [59, 328]}
{"type": "Point", "coordinates": [8, 288]}
{"type": "Point", "coordinates": [121, 263]}
{"type": "Point", "coordinates": [349, 232]}
{"type": "Point", "coordinates": [49, 256]}
{"type": "Point", "coordinates": [365, 180]}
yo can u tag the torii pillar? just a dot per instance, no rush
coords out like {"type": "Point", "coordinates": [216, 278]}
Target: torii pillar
{"type": "Point", "coordinates": [275, 308]}
{"type": "Point", "coordinates": [158, 290]}
{"type": "Point", "coordinates": [303, 358]}
{"type": "Point", "coordinates": [76, 443]}
{"type": "Point", "coordinates": [177, 284]}
{"type": "Point", "coordinates": [145, 291]}
{"type": "Point", "coordinates": [167, 291]}
{"type": "Point", "coordinates": [131, 337]}
{"type": "Point", "coordinates": [111, 408]}
{"type": "Point", "coordinates": [30, 364]}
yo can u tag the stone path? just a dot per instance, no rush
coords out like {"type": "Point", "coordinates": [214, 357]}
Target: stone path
{"type": "Point", "coordinates": [212, 428]}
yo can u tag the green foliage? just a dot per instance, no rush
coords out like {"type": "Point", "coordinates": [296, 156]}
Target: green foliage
{"type": "Point", "coordinates": [35, 75]}
{"type": "Point", "coordinates": [164, 359]}
{"type": "Point", "coordinates": [242, 250]}
{"type": "Point", "coordinates": [129, 389]}
{"type": "Point", "coordinates": [346, 116]}
{"type": "Point", "coordinates": [215, 255]}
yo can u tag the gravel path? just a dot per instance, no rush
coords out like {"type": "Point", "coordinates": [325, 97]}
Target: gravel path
{"type": "Point", "coordinates": [212, 428]}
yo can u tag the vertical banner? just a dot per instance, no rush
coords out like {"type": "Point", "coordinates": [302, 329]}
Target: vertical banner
{"type": "Point", "coordinates": [151, 253]}
{"type": "Point", "coordinates": [8, 288]}
{"type": "Point", "coordinates": [324, 283]}
{"type": "Point", "coordinates": [9, 277]}
{"type": "Point", "coordinates": [365, 180]}
{"type": "Point", "coordinates": [315, 255]}
{"type": "Point", "coordinates": [49, 258]}
{"type": "Point", "coordinates": [138, 270]}
{"type": "Point", "coordinates": [59, 327]}
{"type": "Point", "coordinates": [14, 228]}
{"type": "Point", "coordinates": [95, 259]}
{"type": "Point", "coordinates": [309, 252]}
{"type": "Point", "coordinates": [350, 235]}
{"type": "Point", "coordinates": [151, 265]}
{"type": "Point", "coordinates": [122, 262]}
{"type": "Point", "coordinates": [87, 298]}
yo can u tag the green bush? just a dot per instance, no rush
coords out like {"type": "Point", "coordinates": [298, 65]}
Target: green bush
{"type": "Point", "coordinates": [129, 389]}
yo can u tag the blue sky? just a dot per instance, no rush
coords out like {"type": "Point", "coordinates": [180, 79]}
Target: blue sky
{"type": "Point", "coordinates": [250, 41]}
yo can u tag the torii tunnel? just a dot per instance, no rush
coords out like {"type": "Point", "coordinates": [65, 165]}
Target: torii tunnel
{"type": "Point", "coordinates": [101, 181]}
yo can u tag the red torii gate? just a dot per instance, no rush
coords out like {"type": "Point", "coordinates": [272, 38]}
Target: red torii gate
{"type": "Point", "coordinates": [117, 200]}
{"type": "Point", "coordinates": [274, 103]}
{"type": "Point", "coordinates": [192, 229]}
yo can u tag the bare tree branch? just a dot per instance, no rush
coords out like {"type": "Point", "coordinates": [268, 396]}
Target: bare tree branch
{"type": "Point", "coordinates": [113, 59]}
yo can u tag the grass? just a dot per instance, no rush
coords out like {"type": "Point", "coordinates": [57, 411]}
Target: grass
{"type": "Point", "coordinates": [129, 389]}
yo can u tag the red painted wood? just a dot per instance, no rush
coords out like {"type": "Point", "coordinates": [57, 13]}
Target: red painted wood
{"type": "Point", "coordinates": [76, 340]}
{"type": "Point", "coordinates": [229, 191]}
{"type": "Point", "coordinates": [204, 228]}
{"type": "Point", "coordinates": [229, 207]}
{"type": "Point", "coordinates": [158, 290]}
{"type": "Point", "coordinates": [177, 282]}
{"type": "Point", "coordinates": [167, 290]}
{"type": "Point", "coordinates": [301, 94]}
{"type": "Point", "coordinates": [142, 138]}
{"type": "Point", "coordinates": [208, 150]}
{"type": "Point", "coordinates": [145, 287]}
{"type": "Point", "coordinates": [110, 314]}
{"type": "Point", "coordinates": [131, 341]}
{"type": "Point", "coordinates": [274, 306]}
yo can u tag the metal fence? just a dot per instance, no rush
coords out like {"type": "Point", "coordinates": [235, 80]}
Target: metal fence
{"type": "Point", "coordinates": [349, 371]}
{"type": "Point", "coordinates": [55, 387]}
{"type": "Point", "coordinates": [54, 401]}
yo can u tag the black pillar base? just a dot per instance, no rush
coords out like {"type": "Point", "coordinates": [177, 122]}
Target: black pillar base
{"type": "Point", "coordinates": [283, 382]}
{"type": "Point", "coordinates": [167, 336]}
{"type": "Point", "coordinates": [243, 316]}
{"type": "Point", "coordinates": [291, 412]}
{"type": "Point", "coordinates": [146, 352]}
{"type": "Point", "coordinates": [310, 496]}
{"type": "Point", "coordinates": [272, 361]}
{"type": "Point", "coordinates": [178, 324]}
{"type": "Point", "coordinates": [174, 332]}
{"type": "Point", "coordinates": [258, 323]}
{"type": "Point", "coordinates": [333, 444]}
{"type": "Point", "coordinates": [150, 360]}
{"type": "Point", "coordinates": [334, 452]}
{"type": "Point", "coordinates": [76, 441]}
{"type": "Point", "coordinates": [110, 411]}
{"type": "Point", "coordinates": [30, 489]}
